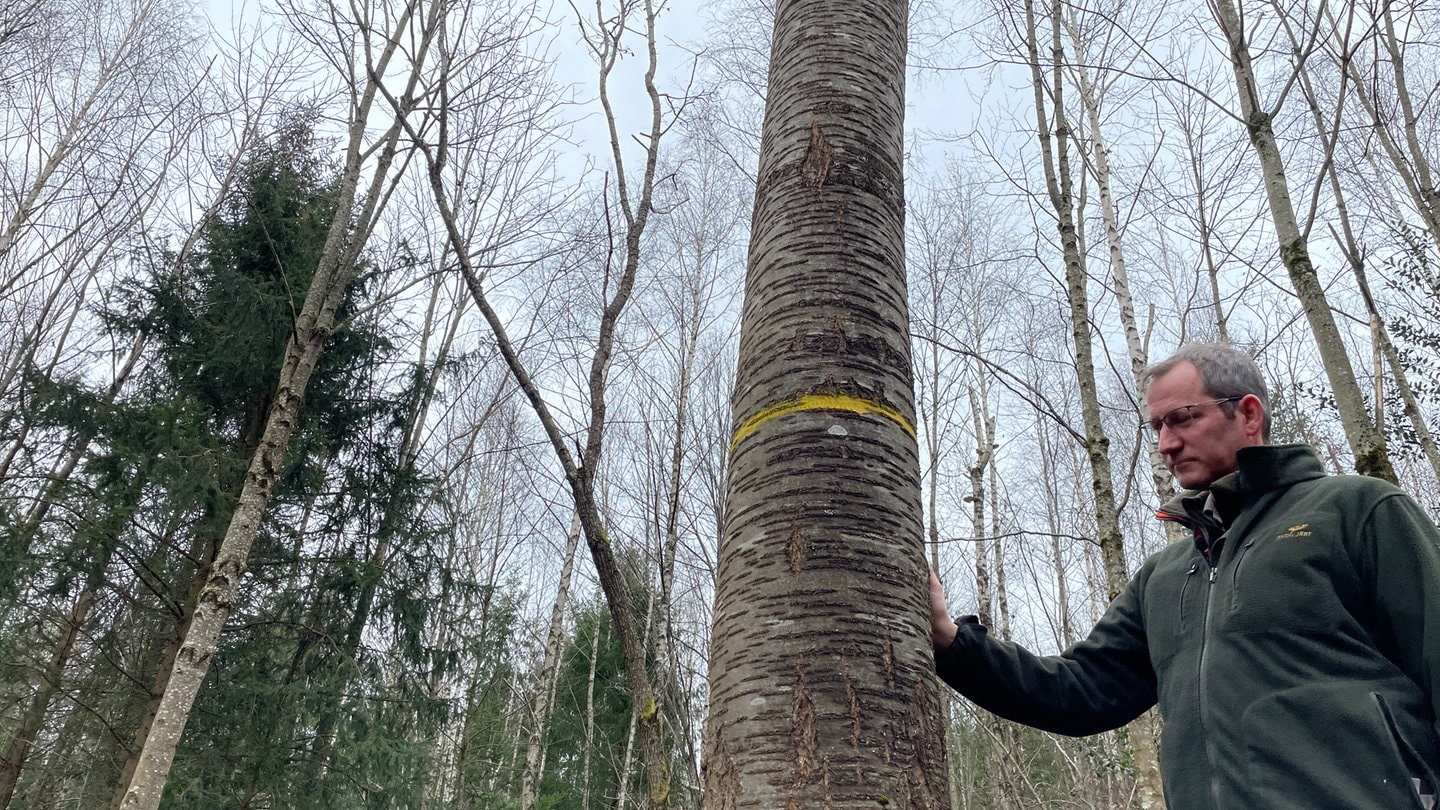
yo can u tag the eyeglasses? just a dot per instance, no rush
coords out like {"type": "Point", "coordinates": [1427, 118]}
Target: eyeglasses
{"type": "Point", "coordinates": [1179, 418]}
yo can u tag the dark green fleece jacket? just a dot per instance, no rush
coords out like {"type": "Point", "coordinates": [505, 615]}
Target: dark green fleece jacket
{"type": "Point", "coordinates": [1295, 655]}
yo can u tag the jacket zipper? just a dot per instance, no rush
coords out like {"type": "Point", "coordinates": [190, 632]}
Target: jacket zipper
{"type": "Point", "coordinates": [1210, 753]}
{"type": "Point", "coordinates": [1235, 575]}
{"type": "Point", "coordinates": [1184, 589]}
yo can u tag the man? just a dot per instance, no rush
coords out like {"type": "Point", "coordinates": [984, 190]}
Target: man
{"type": "Point", "coordinates": [1293, 649]}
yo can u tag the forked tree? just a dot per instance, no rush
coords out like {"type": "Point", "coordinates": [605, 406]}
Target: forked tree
{"type": "Point", "coordinates": [822, 685]}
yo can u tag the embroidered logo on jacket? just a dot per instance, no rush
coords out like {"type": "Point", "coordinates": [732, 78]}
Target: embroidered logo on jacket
{"type": "Point", "coordinates": [1295, 531]}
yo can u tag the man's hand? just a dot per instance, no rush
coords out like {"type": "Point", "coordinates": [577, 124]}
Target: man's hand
{"type": "Point", "coordinates": [942, 627]}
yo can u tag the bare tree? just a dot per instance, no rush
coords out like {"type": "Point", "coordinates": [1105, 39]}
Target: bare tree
{"type": "Point", "coordinates": [315, 322]}
{"type": "Point", "coordinates": [1052, 122]}
{"type": "Point", "coordinates": [606, 36]}
{"type": "Point", "coordinates": [1366, 442]}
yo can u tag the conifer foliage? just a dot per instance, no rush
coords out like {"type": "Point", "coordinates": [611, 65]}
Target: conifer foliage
{"type": "Point", "coordinates": [296, 704]}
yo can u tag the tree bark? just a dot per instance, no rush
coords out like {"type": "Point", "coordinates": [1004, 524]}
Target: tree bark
{"type": "Point", "coordinates": [30, 723]}
{"type": "Point", "coordinates": [606, 44]}
{"type": "Point", "coordinates": [822, 687]}
{"type": "Point", "coordinates": [313, 326]}
{"type": "Point", "coordinates": [984, 587]}
{"type": "Point", "coordinates": [1150, 790]}
{"type": "Point", "coordinates": [1097, 444]}
{"type": "Point", "coordinates": [549, 673]}
{"type": "Point", "coordinates": [1366, 443]}
{"type": "Point", "coordinates": [1405, 150]}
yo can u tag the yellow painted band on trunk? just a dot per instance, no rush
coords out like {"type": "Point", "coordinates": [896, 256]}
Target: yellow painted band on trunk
{"type": "Point", "coordinates": [820, 402]}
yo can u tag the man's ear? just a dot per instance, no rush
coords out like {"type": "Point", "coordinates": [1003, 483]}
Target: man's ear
{"type": "Point", "coordinates": [1252, 411]}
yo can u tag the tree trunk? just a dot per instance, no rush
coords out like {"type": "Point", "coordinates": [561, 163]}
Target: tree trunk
{"type": "Point", "coordinates": [587, 754]}
{"type": "Point", "coordinates": [1150, 790]}
{"type": "Point", "coordinates": [202, 550]}
{"type": "Point", "coordinates": [1097, 444]}
{"type": "Point", "coordinates": [549, 673]}
{"type": "Point", "coordinates": [1366, 443]}
{"type": "Point", "coordinates": [822, 687]}
{"type": "Point", "coordinates": [313, 326]}
{"type": "Point", "coordinates": [34, 717]}
{"type": "Point", "coordinates": [608, 33]}
{"type": "Point", "coordinates": [1385, 351]}
{"type": "Point", "coordinates": [1406, 150]}
{"type": "Point", "coordinates": [984, 587]}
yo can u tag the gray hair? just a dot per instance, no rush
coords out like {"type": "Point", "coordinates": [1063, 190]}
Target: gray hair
{"type": "Point", "coordinates": [1225, 372]}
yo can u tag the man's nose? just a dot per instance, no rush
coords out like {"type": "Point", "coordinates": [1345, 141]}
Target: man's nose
{"type": "Point", "coordinates": [1168, 439]}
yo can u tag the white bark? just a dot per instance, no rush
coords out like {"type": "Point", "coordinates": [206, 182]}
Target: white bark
{"type": "Point", "coordinates": [1365, 441]}
{"type": "Point", "coordinates": [548, 676]}
{"type": "Point", "coordinates": [313, 327]}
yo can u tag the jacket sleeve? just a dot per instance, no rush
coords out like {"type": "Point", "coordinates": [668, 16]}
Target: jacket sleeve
{"type": "Point", "coordinates": [1098, 684]}
{"type": "Point", "coordinates": [1403, 569]}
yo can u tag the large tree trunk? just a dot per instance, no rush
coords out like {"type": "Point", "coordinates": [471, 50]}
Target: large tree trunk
{"type": "Point", "coordinates": [1366, 443]}
{"type": "Point", "coordinates": [822, 686]}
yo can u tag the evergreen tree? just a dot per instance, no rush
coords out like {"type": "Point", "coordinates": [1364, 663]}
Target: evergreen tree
{"type": "Point", "coordinates": [296, 706]}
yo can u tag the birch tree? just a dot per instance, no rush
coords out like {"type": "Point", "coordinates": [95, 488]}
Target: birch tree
{"type": "Point", "coordinates": [1365, 440]}
{"type": "Point", "coordinates": [359, 203]}
{"type": "Point", "coordinates": [1055, 131]}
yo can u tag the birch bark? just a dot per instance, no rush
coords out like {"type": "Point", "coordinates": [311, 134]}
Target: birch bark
{"type": "Point", "coordinates": [313, 326]}
{"type": "Point", "coordinates": [1366, 443]}
{"type": "Point", "coordinates": [1058, 181]}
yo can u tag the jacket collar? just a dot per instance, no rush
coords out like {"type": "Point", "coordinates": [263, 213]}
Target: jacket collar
{"type": "Point", "coordinates": [1276, 466]}
{"type": "Point", "coordinates": [1262, 469]}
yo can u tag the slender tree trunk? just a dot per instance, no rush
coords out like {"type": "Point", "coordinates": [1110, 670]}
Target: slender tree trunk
{"type": "Point", "coordinates": [1097, 445]}
{"type": "Point", "coordinates": [1049, 475]}
{"type": "Point", "coordinates": [548, 676]}
{"type": "Point", "coordinates": [163, 673]}
{"type": "Point", "coordinates": [1385, 351]}
{"type": "Point", "coordinates": [930, 418]}
{"type": "Point", "coordinates": [580, 475]}
{"type": "Point", "coordinates": [984, 590]}
{"type": "Point", "coordinates": [1150, 788]}
{"type": "Point", "coordinates": [1198, 174]}
{"type": "Point", "coordinates": [666, 657]}
{"type": "Point", "coordinates": [1058, 180]}
{"type": "Point", "coordinates": [588, 754]}
{"type": "Point", "coordinates": [1002, 593]}
{"type": "Point", "coordinates": [1120, 277]}
{"type": "Point", "coordinates": [313, 327]}
{"type": "Point", "coordinates": [1366, 443]}
{"type": "Point", "coordinates": [34, 717]}
{"type": "Point", "coordinates": [822, 688]}
{"type": "Point", "coordinates": [627, 759]}
{"type": "Point", "coordinates": [1405, 150]}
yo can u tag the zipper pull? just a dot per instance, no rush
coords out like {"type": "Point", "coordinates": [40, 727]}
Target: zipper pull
{"type": "Point", "coordinates": [1213, 572]}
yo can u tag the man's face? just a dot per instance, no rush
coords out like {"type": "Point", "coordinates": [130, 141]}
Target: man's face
{"type": "Point", "coordinates": [1203, 450]}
